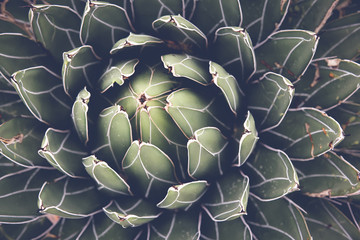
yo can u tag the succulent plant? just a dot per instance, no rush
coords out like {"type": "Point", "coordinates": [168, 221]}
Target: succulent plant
{"type": "Point", "coordinates": [193, 119]}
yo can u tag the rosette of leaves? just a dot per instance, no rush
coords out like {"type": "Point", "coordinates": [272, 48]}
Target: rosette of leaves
{"type": "Point", "coordinates": [183, 120]}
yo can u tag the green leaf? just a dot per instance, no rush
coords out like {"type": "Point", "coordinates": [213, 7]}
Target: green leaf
{"type": "Point", "coordinates": [38, 85]}
{"type": "Point", "coordinates": [233, 50]}
{"type": "Point", "coordinates": [328, 175]}
{"type": "Point", "coordinates": [228, 86]}
{"type": "Point", "coordinates": [227, 199]}
{"type": "Point", "coordinates": [261, 18]}
{"type": "Point", "coordinates": [305, 133]}
{"type": "Point", "coordinates": [135, 40]}
{"type": "Point", "coordinates": [20, 139]}
{"type": "Point", "coordinates": [272, 174]}
{"type": "Point", "coordinates": [79, 115]}
{"type": "Point", "coordinates": [247, 140]}
{"type": "Point", "coordinates": [213, 14]}
{"type": "Point", "coordinates": [183, 65]}
{"type": "Point", "coordinates": [63, 151]}
{"type": "Point", "coordinates": [269, 99]}
{"type": "Point", "coordinates": [277, 219]}
{"type": "Point", "coordinates": [325, 221]}
{"type": "Point", "coordinates": [181, 33]}
{"type": "Point", "coordinates": [105, 176]}
{"type": "Point", "coordinates": [114, 135]}
{"type": "Point", "coordinates": [338, 35]}
{"type": "Point", "coordinates": [328, 83]}
{"type": "Point", "coordinates": [65, 198]}
{"type": "Point", "coordinates": [184, 195]}
{"type": "Point", "coordinates": [117, 73]}
{"type": "Point", "coordinates": [131, 212]}
{"type": "Point", "coordinates": [208, 153]}
{"type": "Point", "coordinates": [18, 52]}
{"type": "Point", "coordinates": [103, 24]}
{"type": "Point", "coordinates": [31, 230]}
{"type": "Point", "coordinates": [56, 27]}
{"type": "Point", "coordinates": [176, 225]}
{"type": "Point", "coordinates": [287, 52]}
{"type": "Point", "coordinates": [149, 170]}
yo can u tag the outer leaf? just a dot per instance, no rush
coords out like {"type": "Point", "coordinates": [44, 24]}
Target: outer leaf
{"type": "Point", "coordinates": [227, 198]}
{"type": "Point", "coordinates": [181, 33]}
{"type": "Point", "coordinates": [135, 40]}
{"type": "Point", "coordinates": [105, 176]}
{"type": "Point", "coordinates": [328, 83]}
{"type": "Point", "coordinates": [103, 24]}
{"type": "Point", "coordinates": [213, 14]}
{"type": "Point", "coordinates": [80, 117]}
{"type": "Point", "coordinates": [63, 151]}
{"type": "Point", "coordinates": [20, 138]}
{"type": "Point", "coordinates": [228, 85]}
{"type": "Point", "coordinates": [150, 170]}
{"type": "Point", "coordinates": [233, 50]}
{"type": "Point", "coordinates": [272, 174]}
{"type": "Point", "coordinates": [183, 65]}
{"type": "Point", "coordinates": [176, 225]}
{"type": "Point", "coordinates": [287, 52]}
{"type": "Point", "coordinates": [38, 85]}
{"type": "Point", "coordinates": [65, 198]}
{"type": "Point", "coordinates": [80, 68]}
{"type": "Point", "coordinates": [269, 99]}
{"type": "Point", "coordinates": [56, 27]}
{"type": "Point", "coordinates": [131, 212]}
{"type": "Point", "coordinates": [184, 195]}
{"type": "Point", "coordinates": [328, 175]}
{"type": "Point", "coordinates": [277, 219]}
{"type": "Point", "coordinates": [247, 140]}
{"type": "Point", "coordinates": [305, 133]}
{"type": "Point", "coordinates": [18, 52]}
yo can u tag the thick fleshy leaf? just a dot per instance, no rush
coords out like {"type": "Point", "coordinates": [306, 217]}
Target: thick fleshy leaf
{"type": "Point", "coordinates": [227, 198]}
{"type": "Point", "coordinates": [18, 52]}
{"type": "Point", "coordinates": [79, 115]}
{"type": "Point", "coordinates": [63, 151]}
{"type": "Point", "coordinates": [338, 35]}
{"type": "Point", "coordinates": [131, 212]}
{"type": "Point", "coordinates": [277, 219]}
{"type": "Point", "coordinates": [135, 40]}
{"type": "Point", "coordinates": [150, 171]}
{"type": "Point", "coordinates": [233, 50]}
{"type": "Point", "coordinates": [325, 221]}
{"type": "Point", "coordinates": [208, 153]}
{"type": "Point", "coordinates": [213, 14]}
{"type": "Point", "coordinates": [287, 52]}
{"type": "Point", "coordinates": [105, 176]}
{"type": "Point", "coordinates": [38, 85]}
{"type": "Point", "coordinates": [247, 140]}
{"type": "Point", "coordinates": [180, 33]}
{"type": "Point", "coordinates": [261, 18]}
{"type": "Point", "coordinates": [184, 195]}
{"type": "Point", "coordinates": [117, 73]}
{"type": "Point", "coordinates": [103, 24]}
{"type": "Point", "coordinates": [272, 174]}
{"type": "Point", "coordinates": [114, 135]}
{"type": "Point", "coordinates": [20, 139]}
{"type": "Point", "coordinates": [69, 198]}
{"type": "Point", "coordinates": [269, 99]}
{"type": "Point", "coordinates": [183, 65]}
{"type": "Point", "coordinates": [328, 175]}
{"type": "Point", "coordinates": [328, 83]}
{"type": "Point", "coordinates": [19, 188]}
{"type": "Point", "coordinates": [143, 15]}
{"type": "Point", "coordinates": [234, 229]}
{"type": "Point", "coordinates": [228, 86]}
{"type": "Point", "coordinates": [80, 68]}
{"type": "Point", "coordinates": [305, 133]}
{"type": "Point", "coordinates": [176, 225]}
{"type": "Point", "coordinates": [56, 27]}
{"type": "Point", "coordinates": [192, 110]}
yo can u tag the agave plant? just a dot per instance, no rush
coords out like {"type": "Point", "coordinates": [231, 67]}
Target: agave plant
{"type": "Point", "coordinates": [193, 119]}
